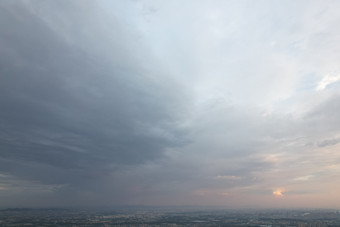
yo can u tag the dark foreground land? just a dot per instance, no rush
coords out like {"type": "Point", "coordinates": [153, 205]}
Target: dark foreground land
{"type": "Point", "coordinates": [167, 217]}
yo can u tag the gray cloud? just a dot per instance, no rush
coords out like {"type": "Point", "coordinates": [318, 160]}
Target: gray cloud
{"type": "Point", "coordinates": [330, 142]}
{"type": "Point", "coordinates": [111, 103]}
{"type": "Point", "coordinates": [68, 113]}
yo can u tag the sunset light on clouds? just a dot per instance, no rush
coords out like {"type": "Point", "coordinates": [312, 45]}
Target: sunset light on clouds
{"type": "Point", "coordinates": [278, 193]}
{"type": "Point", "coordinates": [170, 103]}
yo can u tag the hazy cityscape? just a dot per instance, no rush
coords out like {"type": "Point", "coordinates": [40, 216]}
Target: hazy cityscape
{"type": "Point", "coordinates": [158, 217]}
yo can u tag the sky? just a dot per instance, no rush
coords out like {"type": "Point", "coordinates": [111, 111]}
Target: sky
{"type": "Point", "coordinates": [170, 103]}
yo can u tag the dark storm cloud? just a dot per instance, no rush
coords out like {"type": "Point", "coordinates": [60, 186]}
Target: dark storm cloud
{"type": "Point", "coordinates": [70, 113]}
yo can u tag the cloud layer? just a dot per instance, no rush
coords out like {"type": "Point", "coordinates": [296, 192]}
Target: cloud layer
{"type": "Point", "coordinates": [169, 103]}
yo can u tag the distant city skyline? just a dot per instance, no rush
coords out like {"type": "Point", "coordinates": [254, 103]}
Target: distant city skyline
{"type": "Point", "coordinates": [170, 103]}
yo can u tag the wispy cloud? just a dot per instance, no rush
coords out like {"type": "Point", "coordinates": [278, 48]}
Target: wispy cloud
{"type": "Point", "coordinates": [328, 80]}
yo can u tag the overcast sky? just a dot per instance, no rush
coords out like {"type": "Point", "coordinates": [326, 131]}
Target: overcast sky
{"type": "Point", "coordinates": [207, 103]}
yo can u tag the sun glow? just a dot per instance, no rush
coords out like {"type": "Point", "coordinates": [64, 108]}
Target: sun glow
{"type": "Point", "coordinates": [278, 193]}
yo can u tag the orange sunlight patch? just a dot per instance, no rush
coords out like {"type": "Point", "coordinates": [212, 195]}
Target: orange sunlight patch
{"type": "Point", "coordinates": [278, 193]}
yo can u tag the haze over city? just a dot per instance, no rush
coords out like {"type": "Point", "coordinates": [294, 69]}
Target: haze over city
{"type": "Point", "coordinates": [170, 103]}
